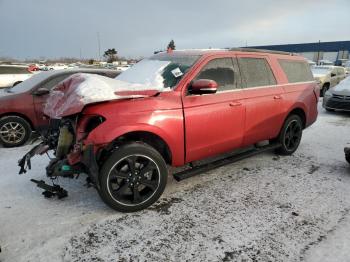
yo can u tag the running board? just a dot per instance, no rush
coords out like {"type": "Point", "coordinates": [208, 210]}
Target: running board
{"type": "Point", "coordinates": [221, 162]}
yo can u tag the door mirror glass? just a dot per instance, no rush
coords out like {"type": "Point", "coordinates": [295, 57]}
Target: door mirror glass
{"type": "Point", "coordinates": [41, 91]}
{"type": "Point", "coordinates": [203, 86]}
{"type": "Point", "coordinates": [332, 74]}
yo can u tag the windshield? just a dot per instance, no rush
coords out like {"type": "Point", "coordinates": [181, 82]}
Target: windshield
{"type": "Point", "coordinates": [30, 82]}
{"type": "Point", "coordinates": [159, 71]}
{"type": "Point", "coordinates": [320, 70]}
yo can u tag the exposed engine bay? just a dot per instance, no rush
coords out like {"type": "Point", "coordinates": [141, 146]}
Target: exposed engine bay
{"type": "Point", "coordinates": [70, 158]}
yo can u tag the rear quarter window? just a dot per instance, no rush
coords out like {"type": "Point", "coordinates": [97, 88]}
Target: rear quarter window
{"type": "Point", "coordinates": [256, 72]}
{"type": "Point", "coordinates": [296, 71]}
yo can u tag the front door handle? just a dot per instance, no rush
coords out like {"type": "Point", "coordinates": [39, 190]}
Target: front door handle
{"type": "Point", "coordinates": [235, 103]}
{"type": "Point", "coordinates": [277, 97]}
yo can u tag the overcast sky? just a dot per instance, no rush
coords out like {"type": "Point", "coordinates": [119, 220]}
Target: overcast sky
{"type": "Point", "coordinates": [66, 28]}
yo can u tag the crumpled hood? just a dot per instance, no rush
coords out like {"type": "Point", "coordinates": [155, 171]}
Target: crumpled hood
{"type": "Point", "coordinates": [70, 96]}
{"type": "Point", "coordinates": [343, 88]}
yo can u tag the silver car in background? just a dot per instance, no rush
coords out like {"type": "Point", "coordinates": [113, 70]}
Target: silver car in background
{"type": "Point", "coordinates": [338, 98]}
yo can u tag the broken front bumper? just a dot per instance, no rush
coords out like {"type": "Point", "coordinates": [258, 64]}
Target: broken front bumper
{"type": "Point", "coordinates": [25, 162]}
{"type": "Point", "coordinates": [86, 163]}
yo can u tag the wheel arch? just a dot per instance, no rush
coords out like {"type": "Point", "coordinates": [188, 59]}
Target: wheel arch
{"type": "Point", "coordinates": [326, 84]}
{"type": "Point", "coordinates": [149, 138]}
{"type": "Point", "coordinates": [299, 112]}
{"type": "Point", "coordinates": [19, 115]}
{"type": "Point", "coordinates": [16, 83]}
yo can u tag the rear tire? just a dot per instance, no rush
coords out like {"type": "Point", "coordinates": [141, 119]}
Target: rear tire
{"type": "Point", "coordinates": [324, 89]}
{"type": "Point", "coordinates": [14, 131]}
{"type": "Point", "coordinates": [290, 135]}
{"type": "Point", "coordinates": [133, 177]}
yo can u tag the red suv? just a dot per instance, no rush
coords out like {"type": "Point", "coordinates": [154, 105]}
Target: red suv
{"type": "Point", "coordinates": [176, 108]}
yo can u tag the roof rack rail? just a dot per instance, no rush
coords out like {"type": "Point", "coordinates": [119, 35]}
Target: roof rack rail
{"type": "Point", "coordinates": [247, 49]}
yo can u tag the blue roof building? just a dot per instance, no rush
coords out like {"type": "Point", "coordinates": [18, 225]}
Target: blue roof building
{"type": "Point", "coordinates": [331, 51]}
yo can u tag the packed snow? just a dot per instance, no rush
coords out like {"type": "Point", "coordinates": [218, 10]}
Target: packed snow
{"type": "Point", "coordinates": [264, 208]}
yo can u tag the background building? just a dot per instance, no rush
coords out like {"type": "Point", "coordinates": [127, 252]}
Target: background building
{"type": "Point", "coordinates": [331, 51]}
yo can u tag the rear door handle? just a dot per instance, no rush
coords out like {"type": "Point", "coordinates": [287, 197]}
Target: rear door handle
{"type": "Point", "coordinates": [235, 104]}
{"type": "Point", "coordinates": [277, 97]}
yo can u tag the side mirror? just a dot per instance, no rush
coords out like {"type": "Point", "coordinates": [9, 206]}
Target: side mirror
{"type": "Point", "coordinates": [41, 91]}
{"type": "Point", "coordinates": [203, 86]}
{"type": "Point", "coordinates": [332, 74]}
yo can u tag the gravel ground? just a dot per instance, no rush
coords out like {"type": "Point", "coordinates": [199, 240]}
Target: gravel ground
{"type": "Point", "coordinates": [265, 208]}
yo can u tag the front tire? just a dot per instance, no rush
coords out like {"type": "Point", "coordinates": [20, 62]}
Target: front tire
{"type": "Point", "coordinates": [14, 131]}
{"type": "Point", "coordinates": [133, 177]}
{"type": "Point", "coordinates": [290, 135]}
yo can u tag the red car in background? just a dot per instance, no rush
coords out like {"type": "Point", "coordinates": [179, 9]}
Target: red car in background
{"type": "Point", "coordinates": [21, 107]}
{"type": "Point", "coordinates": [33, 68]}
{"type": "Point", "coordinates": [180, 107]}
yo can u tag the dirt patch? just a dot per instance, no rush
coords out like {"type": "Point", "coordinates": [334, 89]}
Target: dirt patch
{"type": "Point", "coordinates": [164, 205]}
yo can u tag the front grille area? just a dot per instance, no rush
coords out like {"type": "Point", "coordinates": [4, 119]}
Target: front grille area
{"type": "Point", "coordinates": [341, 97]}
{"type": "Point", "coordinates": [338, 103]}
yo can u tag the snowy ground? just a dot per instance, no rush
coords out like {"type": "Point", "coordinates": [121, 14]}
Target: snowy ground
{"type": "Point", "coordinates": [265, 208]}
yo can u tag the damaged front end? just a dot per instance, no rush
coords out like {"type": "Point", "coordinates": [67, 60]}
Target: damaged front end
{"type": "Point", "coordinates": [65, 138]}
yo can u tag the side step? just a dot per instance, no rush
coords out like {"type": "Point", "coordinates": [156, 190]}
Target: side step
{"type": "Point", "coordinates": [221, 162]}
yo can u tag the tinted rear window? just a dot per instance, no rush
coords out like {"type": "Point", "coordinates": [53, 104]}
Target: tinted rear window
{"type": "Point", "coordinates": [296, 71]}
{"type": "Point", "coordinates": [256, 72]}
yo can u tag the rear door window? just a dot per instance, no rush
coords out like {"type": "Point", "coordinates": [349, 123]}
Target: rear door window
{"type": "Point", "coordinates": [256, 72]}
{"type": "Point", "coordinates": [222, 71]}
{"type": "Point", "coordinates": [296, 71]}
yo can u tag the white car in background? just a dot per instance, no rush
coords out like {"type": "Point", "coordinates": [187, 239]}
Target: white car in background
{"type": "Point", "coordinates": [11, 75]}
{"type": "Point", "coordinates": [123, 67]}
{"type": "Point", "coordinates": [57, 67]}
{"type": "Point", "coordinates": [347, 67]}
{"type": "Point", "coordinates": [328, 76]}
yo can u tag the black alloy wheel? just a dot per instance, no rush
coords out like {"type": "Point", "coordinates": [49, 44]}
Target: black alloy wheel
{"type": "Point", "coordinates": [133, 178]}
{"type": "Point", "coordinates": [290, 135]}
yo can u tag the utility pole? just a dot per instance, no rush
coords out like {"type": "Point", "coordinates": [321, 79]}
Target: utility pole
{"type": "Point", "coordinates": [99, 45]}
{"type": "Point", "coordinates": [318, 53]}
{"type": "Point", "coordinates": [80, 53]}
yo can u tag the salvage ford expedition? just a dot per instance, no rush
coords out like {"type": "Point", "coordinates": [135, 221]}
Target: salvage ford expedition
{"type": "Point", "coordinates": [173, 109]}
